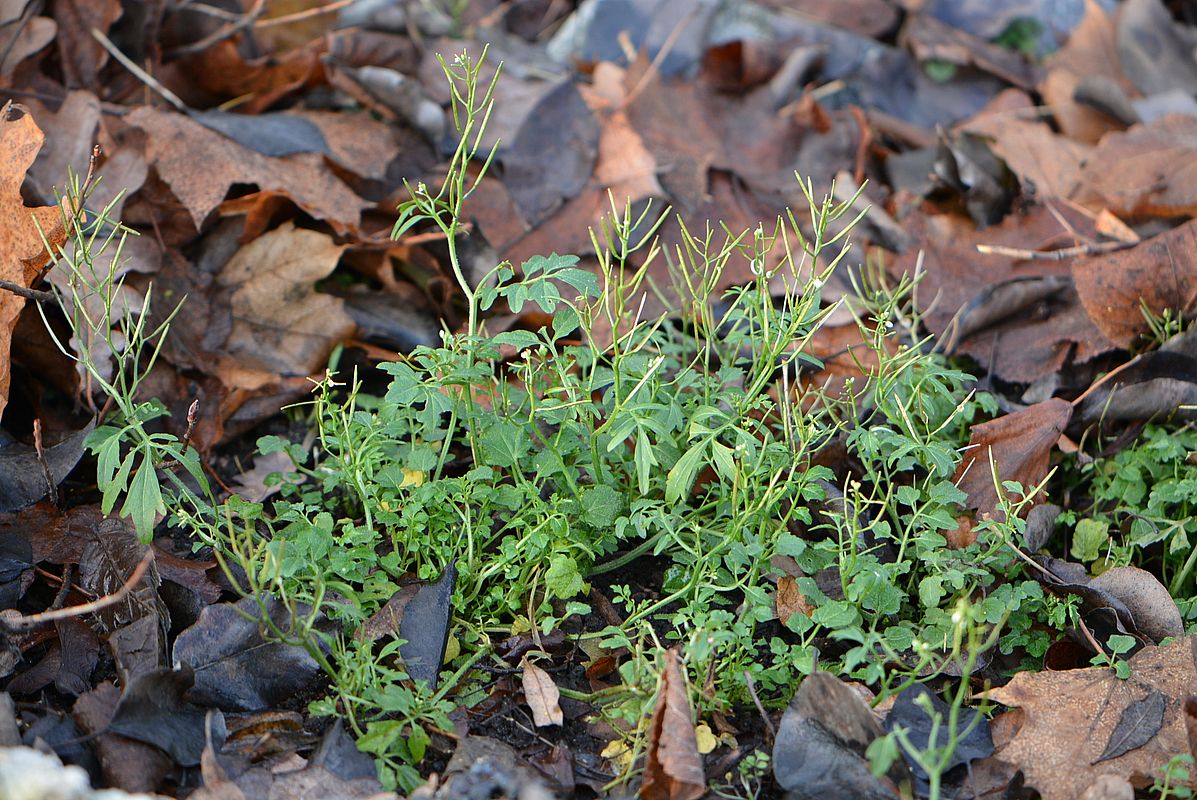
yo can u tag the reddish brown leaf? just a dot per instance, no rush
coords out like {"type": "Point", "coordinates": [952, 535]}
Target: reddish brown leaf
{"type": "Point", "coordinates": [542, 695]}
{"type": "Point", "coordinates": [1161, 273]}
{"type": "Point", "coordinates": [674, 767]}
{"type": "Point", "coordinates": [789, 600]}
{"type": "Point", "coordinates": [22, 252]}
{"type": "Point", "coordinates": [1020, 445]}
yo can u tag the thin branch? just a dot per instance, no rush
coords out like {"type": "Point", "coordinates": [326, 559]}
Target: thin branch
{"type": "Point", "coordinates": [51, 487]}
{"type": "Point", "coordinates": [1053, 255]}
{"type": "Point", "coordinates": [14, 620]}
{"type": "Point", "coordinates": [141, 74]}
{"type": "Point", "coordinates": [28, 294]}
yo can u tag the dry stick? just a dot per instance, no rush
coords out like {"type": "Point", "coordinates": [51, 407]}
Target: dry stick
{"type": "Point", "coordinates": [1053, 255]}
{"type": "Point", "coordinates": [227, 32]}
{"type": "Point", "coordinates": [298, 16]}
{"type": "Point", "coordinates": [41, 459]}
{"type": "Point", "coordinates": [137, 71]}
{"type": "Point", "coordinates": [28, 294]}
{"type": "Point", "coordinates": [14, 620]}
{"type": "Point", "coordinates": [654, 66]}
{"type": "Point", "coordinates": [759, 707]}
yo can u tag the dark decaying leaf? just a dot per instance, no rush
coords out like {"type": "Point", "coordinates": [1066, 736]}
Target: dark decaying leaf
{"type": "Point", "coordinates": [425, 628]}
{"type": "Point", "coordinates": [152, 709]}
{"type": "Point", "coordinates": [1138, 725]}
{"type": "Point", "coordinates": [22, 480]}
{"type": "Point", "coordinates": [235, 668]}
{"type": "Point", "coordinates": [1020, 445]}
{"type": "Point", "coordinates": [486, 767]}
{"type": "Point", "coordinates": [138, 624]}
{"type": "Point", "coordinates": [125, 763]}
{"type": "Point", "coordinates": [1190, 712]}
{"type": "Point", "coordinates": [80, 654]}
{"type": "Point", "coordinates": [674, 767]}
{"type": "Point", "coordinates": [819, 750]}
{"type": "Point", "coordinates": [1160, 384]}
{"type": "Point", "coordinates": [275, 134]}
{"type": "Point", "coordinates": [16, 556]}
{"type": "Point", "coordinates": [907, 713]}
{"type": "Point", "coordinates": [1001, 301]}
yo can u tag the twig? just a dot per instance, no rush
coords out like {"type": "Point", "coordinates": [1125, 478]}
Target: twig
{"type": "Point", "coordinates": [192, 414]}
{"type": "Point", "coordinates": [227, 32]}
{"type": "Point", "coordinates": [141, 74]}
{"type": "Point", "coordinates": [298, 16]}
{"type": "Point", "coordinates": [28, 294]}
{"type": "Point", "coordinates": [655, 66]}
{"type": "Point", "coordinates": [759, 707]}
{"type": "Point", "coordinates": [14, 620]}
{"type": "Point", "coordinates": [1053, 255]}
{"type": "Point", "coordinates": [41, 459]}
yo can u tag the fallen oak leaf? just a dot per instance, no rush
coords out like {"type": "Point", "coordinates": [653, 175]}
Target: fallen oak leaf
{"type": "Point", "coordinates": [21, 232]}
{"type": "Point", "coordinates": [1071, 717]}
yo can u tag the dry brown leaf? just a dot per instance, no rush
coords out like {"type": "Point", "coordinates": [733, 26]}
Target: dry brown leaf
{"type": "Point", "coordinates": [1037, 155]}
{"type": "Point", "coordinates": [200, 165]}
{"type": "Point", "coordinates": [789, 600]}
{"type": "Point", "coordinates": [542, 695]}
{"type": "Point", "coordinates": [281, 324]}
{"type": "Point", "coordinates": [1070, 716]}
{"type": "Point", "coordinates": [1091, 51]}
{"type": "Point", "coordinates": [1160, 272]}
{"type": "Point", "coordinates": [22, 35]}
{"type": "Point", "coordinates": [22, 252]}
{"type": "Point", "coordinates": [1148, 170]}
{"type": "Point", "coordinates": [1034, 343]}
{"type": "Point", "coordinates": [674, 767]}
{"type": "Point", "coordinates": [1020, 444]}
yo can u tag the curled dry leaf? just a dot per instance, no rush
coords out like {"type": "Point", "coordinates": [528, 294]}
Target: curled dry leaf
{"type": "Point", "coordinates": [201, 165]}
{"type": "Point", "coordinates": [674, 768]}
{"type": "Point", "coordinates": [542, 695]}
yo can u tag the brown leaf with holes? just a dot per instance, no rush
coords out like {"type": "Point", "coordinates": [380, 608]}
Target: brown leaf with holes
{"type": "Point", "coordinates": [1081, 724]}
{"type": "Point", "coordinates": [542, 695]}
{"type": "Point", "coordinates": [22, 251]}
{"type": "Point", "coordinates": [1160, 273]}
{"type": "Point", "coordinates": [200, 166]}
{"type": "Point", "coordinates": [674, 767]}
{"type": "Point", "coordinates": [1020, 445]}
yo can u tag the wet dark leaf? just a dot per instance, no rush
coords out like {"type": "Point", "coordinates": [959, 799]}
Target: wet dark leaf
{"type": "Point", "coordinates": [1138, 725]}
{"type": "Point", "coordinates": [425, 628]}
{"type": "Point", "coordinates": [821, 741]}
{"type": "Point", "coordinates": [22, 481]}
{"type": "Point", "coordinates": [152, 709]}
{"type": "Point", "coordinates": [235, 668]}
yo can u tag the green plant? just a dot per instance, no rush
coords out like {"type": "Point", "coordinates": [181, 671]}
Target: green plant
{"type": "Point", "coordinates": [115, 347]}
{"type": "Point", "coordinates": [1175, 778]}
{"type": "Point", "coordinates": [972, 635]}
{"type": "Point", "coordinates": [537, 462]}
{"type": "Point", "coordinates": [1141, 509]}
